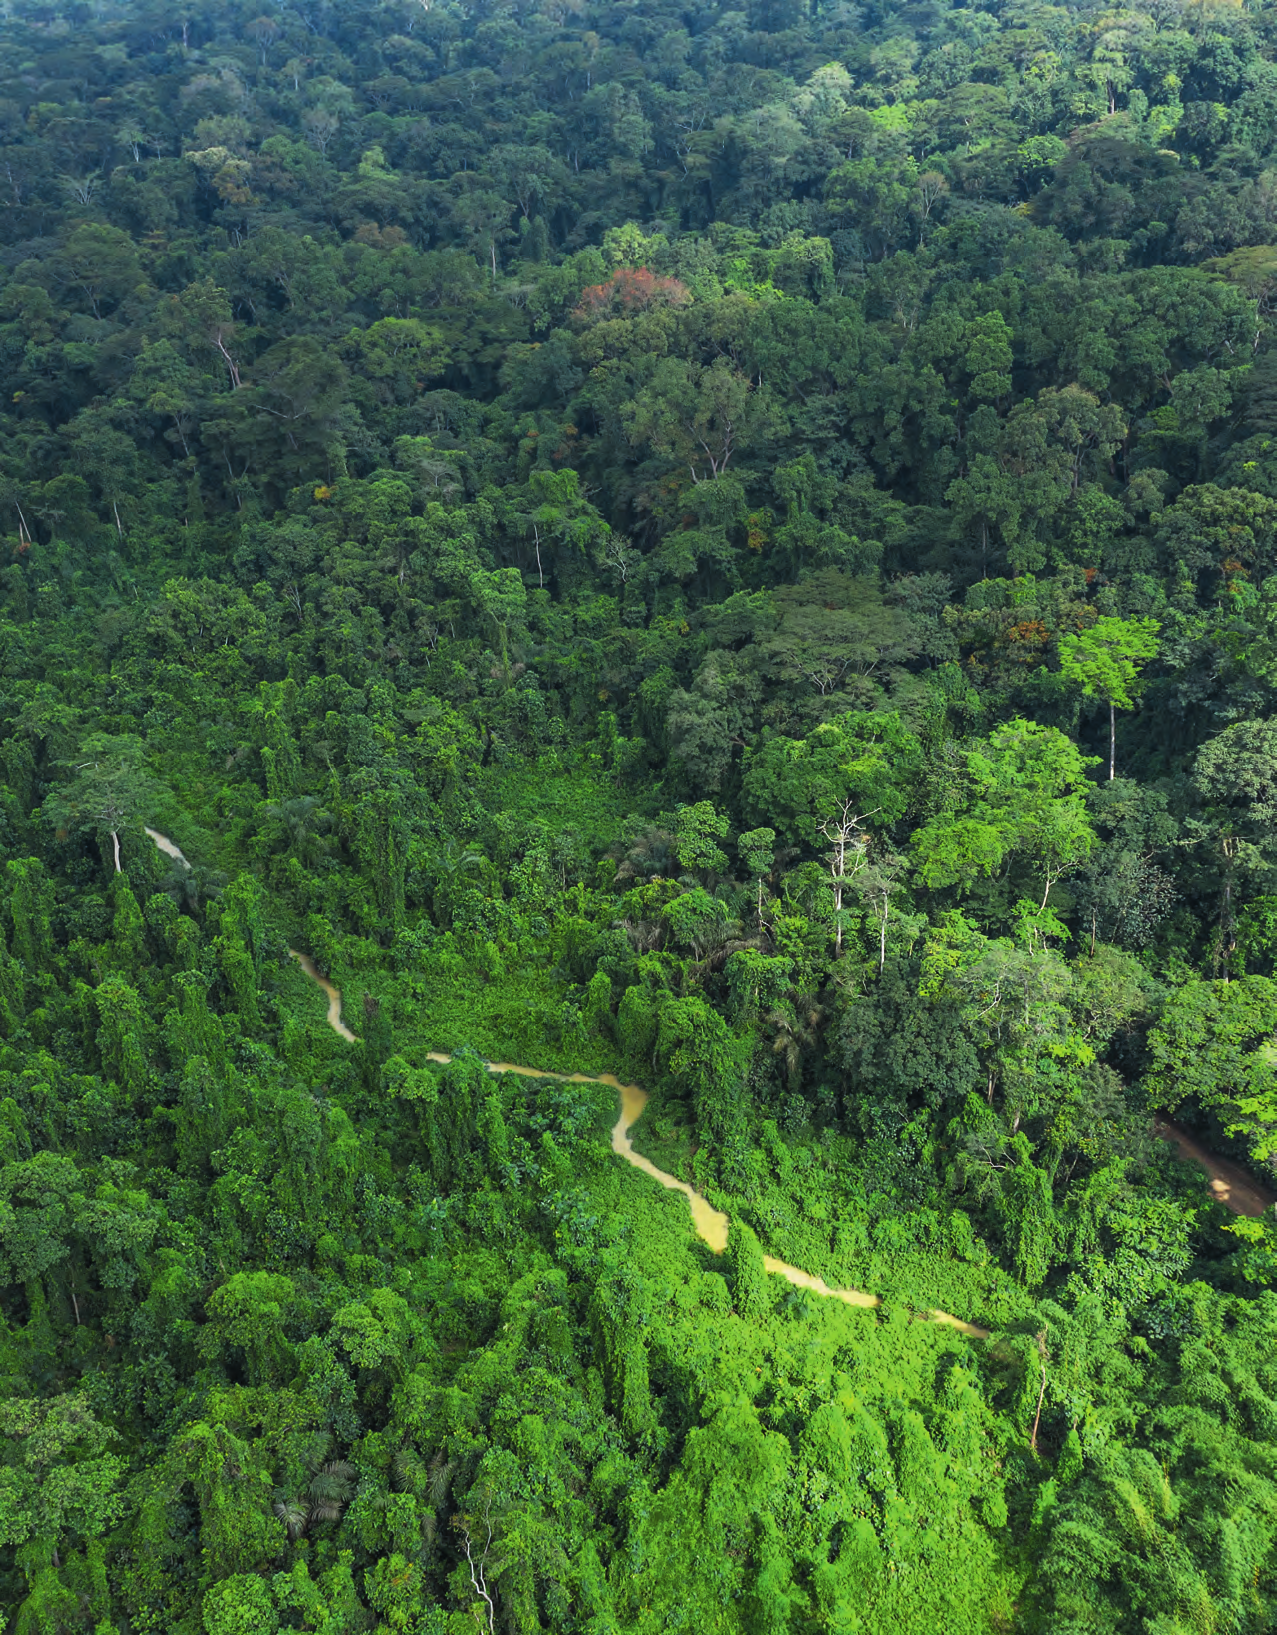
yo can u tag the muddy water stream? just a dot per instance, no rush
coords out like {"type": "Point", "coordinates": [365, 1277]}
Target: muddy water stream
{"type": "Point", "coordinates": [710, 1223]}
{"type": "Point", "coordinates": [334, 994]}
{"type": "Point", "coordinates": [1229, 1183]}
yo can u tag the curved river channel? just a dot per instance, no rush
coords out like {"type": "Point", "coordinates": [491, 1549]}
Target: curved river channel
{"type": "Point", "coordinates": [1229, 1184]}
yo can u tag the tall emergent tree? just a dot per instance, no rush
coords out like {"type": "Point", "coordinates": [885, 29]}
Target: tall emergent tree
{"type": "Point", "coordinates": [1105, 662]}
{"type": "Point", "coordinates": [109, 791]}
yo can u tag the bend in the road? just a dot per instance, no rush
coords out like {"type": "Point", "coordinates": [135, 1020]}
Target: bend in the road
{"type": "Point", "coordinates": [1229, 1183]}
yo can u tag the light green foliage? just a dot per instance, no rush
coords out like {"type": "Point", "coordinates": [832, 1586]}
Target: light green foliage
{"type": "Point", "coordinates": [240, 1605]}
{"type": "Point", "coordinates": [108, 790]}
{"type": "Point", "coordinates": [749, 1280]}
{"type": "Point", "coordinates": [697, 922]}
{"type": "Point", "coordinates": [757, 982]}
{"type": "Point", "coordinates": [757, 847]}
{"type": "Point", "coordinates": [249, 1312]}
{"type": "Point", "coordinates": [1023, 793]}
{"type": "Point", "coordinates": [1236, 774]}
{"type": "Point", "coordinates": [59, 1474]}
{"type": "Point", "coordinates": [377, 1332]}
{"type": "Point", "coordinates": [1104, 661]}
{"type": "Point", "coordinates": [872, 760]}
{"type": "Point", "coordinates": [699, 829]}
{"type": "Point", "coordinates": [1214, 1042]}
{"type": "Point", "coordinates": [1104, 658]}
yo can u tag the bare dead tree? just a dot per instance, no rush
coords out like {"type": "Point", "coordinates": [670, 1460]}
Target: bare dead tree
{"type": "Point", "coordinates": [849, 845]}
{"type": "Point", "coordinates": [478, 1575]}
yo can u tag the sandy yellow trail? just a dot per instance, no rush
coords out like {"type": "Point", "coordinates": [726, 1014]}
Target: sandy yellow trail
{"type": "Point", "coordinates": [1236, 1190]}
{"type": "Point", "coordinates": [710, 1223]}
{"type": "Point", "coordinates": [334, 994]}
{"type": "Point", "coordinates": [1230, 1184]}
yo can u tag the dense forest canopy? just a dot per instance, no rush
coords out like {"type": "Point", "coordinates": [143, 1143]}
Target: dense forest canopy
{"type": "Point", "coordinates": [731, 547]}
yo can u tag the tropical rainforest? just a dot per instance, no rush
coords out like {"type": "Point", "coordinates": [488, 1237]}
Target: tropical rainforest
{"type": "Point", "coordinates": [730, 545]}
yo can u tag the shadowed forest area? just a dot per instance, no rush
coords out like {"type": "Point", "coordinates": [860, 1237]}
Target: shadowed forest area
{"type": "Point", "coordinates": [729, 545]}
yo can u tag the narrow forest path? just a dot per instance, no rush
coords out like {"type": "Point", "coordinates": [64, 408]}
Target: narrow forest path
{"type": "Point", "coordinates": [167, 847]}
{"type": "Point", "coordinates": [1229, 1183]}
{"type": "Point", "coordinates": [711, 1224]}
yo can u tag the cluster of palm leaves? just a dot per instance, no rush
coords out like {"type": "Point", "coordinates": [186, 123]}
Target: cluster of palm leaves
{"type": "Point", "coordinates": [328, 1491]}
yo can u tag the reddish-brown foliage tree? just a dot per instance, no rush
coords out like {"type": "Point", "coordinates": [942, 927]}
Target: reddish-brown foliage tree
{"type": "Point", "coordinates": [630, 290]}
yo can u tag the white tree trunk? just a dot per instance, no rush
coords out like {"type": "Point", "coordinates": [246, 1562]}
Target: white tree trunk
{"type": "Point", "coordinates": [1112, 742]}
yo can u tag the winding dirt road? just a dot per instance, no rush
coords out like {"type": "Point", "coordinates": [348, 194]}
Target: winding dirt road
{"type": "Point", "coordinates": [711, 1224]}
{"type": "Point", "coordinates": [1229, 1183]}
